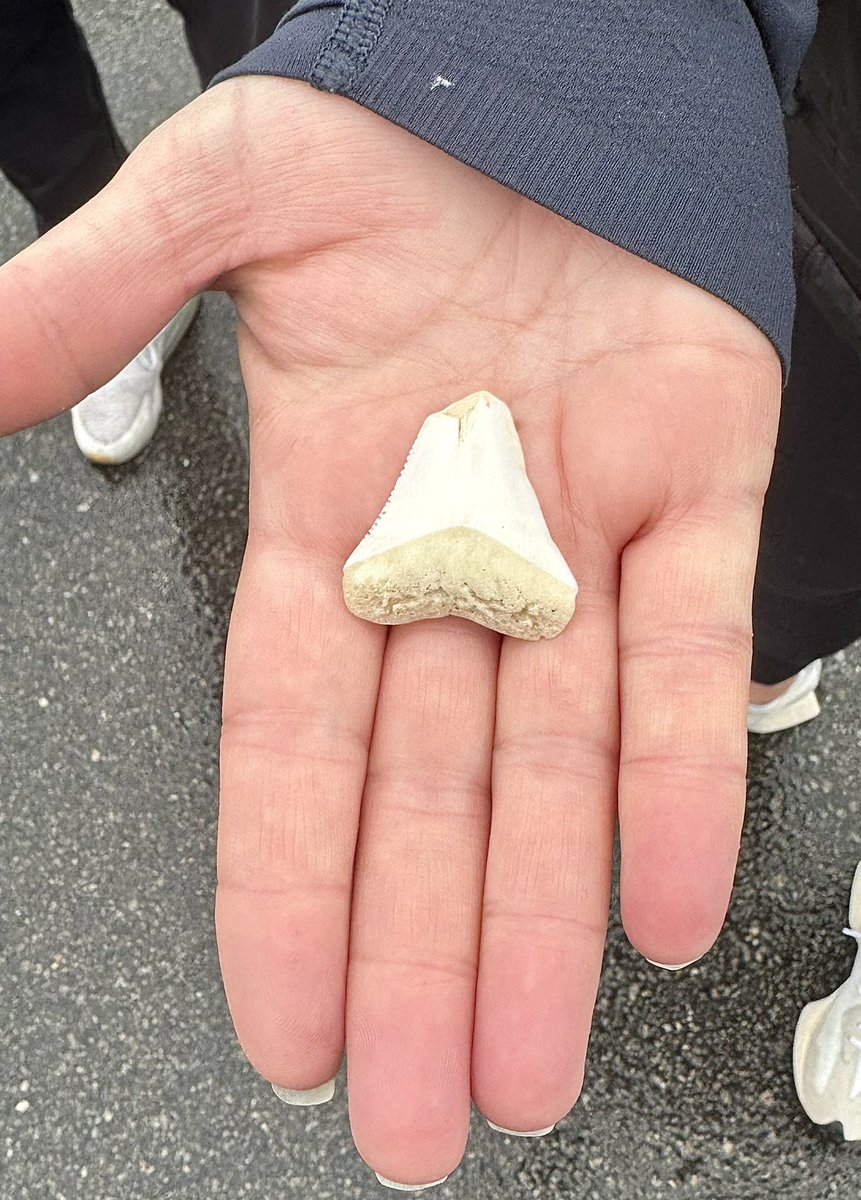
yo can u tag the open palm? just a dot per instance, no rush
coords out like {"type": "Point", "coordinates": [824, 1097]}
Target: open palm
{"type": "Point", "coordinates": [416, 832]}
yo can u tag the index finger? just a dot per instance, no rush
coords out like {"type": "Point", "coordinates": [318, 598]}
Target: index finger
{"type": "Point", "coordinates": [302, 676]}
{"type": "Point", "coordinates": [301, 679]}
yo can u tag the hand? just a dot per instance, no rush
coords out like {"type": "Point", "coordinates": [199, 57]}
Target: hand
{"type": "Point", "coordinates": [376, 281]}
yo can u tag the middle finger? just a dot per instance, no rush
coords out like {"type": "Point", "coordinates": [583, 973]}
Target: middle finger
{"type": "Point", "coordinates": [417, 899]}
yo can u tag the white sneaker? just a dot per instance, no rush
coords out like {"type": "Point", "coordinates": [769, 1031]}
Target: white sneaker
{"type": "Point", "coordinates": [797, 704]}
{"type": "Point", "coordinates": [114, 424]}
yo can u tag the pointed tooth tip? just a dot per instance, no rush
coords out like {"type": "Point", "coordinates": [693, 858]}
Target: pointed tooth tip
{"type": "Point", "coordinates": [461, 407]}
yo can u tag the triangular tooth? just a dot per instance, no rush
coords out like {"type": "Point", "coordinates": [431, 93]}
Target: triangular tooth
{"type": "Point", "coordinates": [463, 533]}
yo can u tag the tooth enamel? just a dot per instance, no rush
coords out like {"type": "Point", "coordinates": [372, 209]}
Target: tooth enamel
{"type": "Point", "coordinates": [463, 534]}
{"type": "Point", "coordinates": [827, 1050]}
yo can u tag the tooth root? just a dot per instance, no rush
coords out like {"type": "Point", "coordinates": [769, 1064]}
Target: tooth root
{"type": "Point", "coordinates": [463, 534]}
{"type": "Point", "coordinates": [459, 572]}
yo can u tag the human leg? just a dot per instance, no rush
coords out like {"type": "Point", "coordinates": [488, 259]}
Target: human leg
{"type": "Point", "coordinates": [220, 31]}
{"type": "Point", "coordinates": [58, 144]}
{"type": "Point", "coordinates": [807, 601]}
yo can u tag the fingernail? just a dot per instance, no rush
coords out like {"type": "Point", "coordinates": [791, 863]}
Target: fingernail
{"type": "Point", "coordinates": [673, 966]}
{"type": "Point", "coordinates": [521, 1132]}
{"type": "Point", "coordinates": [408, 1187]}
{"type": "Point", "coordinates": [318, 1095]}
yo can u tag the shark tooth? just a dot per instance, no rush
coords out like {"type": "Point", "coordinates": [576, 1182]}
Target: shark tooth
{"type": "Point", "coordinates": [462, 534]}
{"type": "Point", "coordinates": [827, 1050]}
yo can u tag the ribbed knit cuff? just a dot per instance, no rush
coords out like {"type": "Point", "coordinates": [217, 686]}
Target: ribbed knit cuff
{"type": "Point", "coordinates": [655, 124]}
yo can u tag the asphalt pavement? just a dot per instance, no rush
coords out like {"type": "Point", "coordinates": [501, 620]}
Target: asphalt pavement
{"type": "Point", "coordinates": [120, 1076]}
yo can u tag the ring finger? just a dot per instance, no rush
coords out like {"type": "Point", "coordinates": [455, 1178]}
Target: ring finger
{"type": "Point", "coordinates": [549, 861]}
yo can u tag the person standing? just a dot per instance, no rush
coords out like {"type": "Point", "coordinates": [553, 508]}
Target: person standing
{"type": "Point", "coordinates": [59, 147]}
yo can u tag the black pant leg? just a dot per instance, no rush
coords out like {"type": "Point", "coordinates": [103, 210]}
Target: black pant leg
{"type": "Point", "coordinates": [220, 31]}
{"type": "Point", "coordinates": [58, 144]}
{"type": "Point", "coordinates": [807, 600]}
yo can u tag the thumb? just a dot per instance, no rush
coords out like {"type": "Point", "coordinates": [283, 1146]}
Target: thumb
{"type": "Point", "coordinates": [82, 301]}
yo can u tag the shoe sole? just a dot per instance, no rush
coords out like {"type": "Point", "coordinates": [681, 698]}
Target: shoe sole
{"type": "Point", "coordinates": [805, 708]}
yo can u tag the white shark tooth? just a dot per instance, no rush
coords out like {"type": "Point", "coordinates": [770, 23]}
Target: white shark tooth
{"type": "Point", "coordinates": [827, 1051]}
{"type": "Point", "coordinates": [463, 534]}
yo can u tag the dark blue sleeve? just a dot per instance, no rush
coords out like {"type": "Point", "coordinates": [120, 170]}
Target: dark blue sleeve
{"type": "Point", "coordinates": [654, 123]}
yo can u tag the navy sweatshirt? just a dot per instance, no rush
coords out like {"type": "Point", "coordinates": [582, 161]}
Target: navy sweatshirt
{"type": "Point", "coordinates": [654, 123]}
